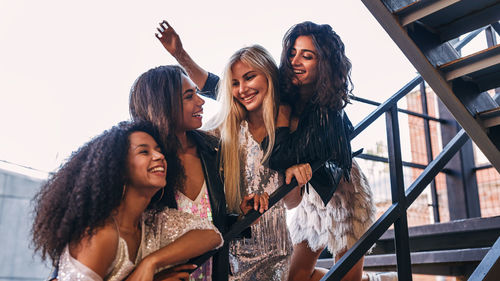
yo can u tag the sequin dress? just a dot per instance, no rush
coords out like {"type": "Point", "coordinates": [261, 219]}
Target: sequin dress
{"type": "Point", "coordinates": [168, 225]}
{"type": "Point", "coordinates": [266, 255]}
{"type": "Point", "coordinates": [199, 207]}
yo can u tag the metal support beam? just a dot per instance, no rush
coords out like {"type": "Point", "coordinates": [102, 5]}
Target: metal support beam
{"type": "Point", "coordinates": [428, 146]}
{"type": "Point", "coordinates": [402, 241]}
{"type": "Point", "coordinates": [392, 101]}
{"type": "Point", "coordinates": [461, 183]}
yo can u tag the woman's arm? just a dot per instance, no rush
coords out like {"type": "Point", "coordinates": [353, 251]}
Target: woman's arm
{"type": "Point", "coordinates": [173, 44]}
{"type": "Point", "coordinates": [322, 134]}
{"type": "Point", "coordinates": [191, 244]}
{"type": "Point", "coordinates": [176, 236]}
{"type": "Point", "coordinates": [302, 173]}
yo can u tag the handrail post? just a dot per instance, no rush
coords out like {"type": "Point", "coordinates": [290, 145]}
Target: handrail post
{"type": "Point", "coordinates": [428, 146]}
{"type": "Point", "coordinates": [402, 241]}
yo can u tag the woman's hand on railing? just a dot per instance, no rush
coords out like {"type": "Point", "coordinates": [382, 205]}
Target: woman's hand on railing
{"type": "Point", "coordinates": [302, 173]}
{"type": "Point", "coordinates": [258, 202]}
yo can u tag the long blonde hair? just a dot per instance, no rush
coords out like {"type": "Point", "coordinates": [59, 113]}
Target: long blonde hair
{"type": "Point", "coordinates": [232, 113]}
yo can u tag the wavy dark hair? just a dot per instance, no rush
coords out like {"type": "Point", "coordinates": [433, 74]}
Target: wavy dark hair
{"type": "Point", "coordinates": [78, 199]}
{"type": "Point", "coordinates": [334, 83]}
{"type": "Point", "coordinates": [156, 97]}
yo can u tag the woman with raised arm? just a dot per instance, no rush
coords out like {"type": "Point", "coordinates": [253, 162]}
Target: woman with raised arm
{"type": "Point", "coordinates": [249, 102]}
{"type": "Point", "coordinates": [95, 215]}
{"type": "Point", "coordinates": [166, 97]}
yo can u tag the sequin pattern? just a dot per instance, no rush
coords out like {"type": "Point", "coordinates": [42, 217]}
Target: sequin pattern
{"type": "Point", "coordinates": [199, 207]}
{"type": "Point", "coordinates": [266, 255]}
{"type": "Point", "coordinates": [169, 225]}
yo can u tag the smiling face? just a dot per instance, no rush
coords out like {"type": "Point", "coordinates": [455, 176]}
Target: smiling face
{"type": "Point", "coordinates": [192, 105]}
{"type": "Point", "coordinates": [249, 86]}
{"type": "Point", "coordinates": [145, 163]}
{"type": "Point", "coordinates": [304, 60]}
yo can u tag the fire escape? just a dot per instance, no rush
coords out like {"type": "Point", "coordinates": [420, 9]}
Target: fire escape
{"type": "Point", "coordinates": [431, 34]}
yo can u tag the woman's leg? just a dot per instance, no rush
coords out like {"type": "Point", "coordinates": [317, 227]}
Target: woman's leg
{"type": "Point", "coordinates": [356, 271]}
{"type": "Point", "coordinates": [303, 264]}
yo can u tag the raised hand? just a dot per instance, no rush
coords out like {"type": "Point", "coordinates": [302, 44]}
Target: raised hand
{"type": "Point", "coordinates": [169, 38]}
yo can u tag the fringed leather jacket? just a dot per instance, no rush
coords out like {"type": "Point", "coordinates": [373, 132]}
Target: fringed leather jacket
{"type": "Point", "coordinates": [322, 136]}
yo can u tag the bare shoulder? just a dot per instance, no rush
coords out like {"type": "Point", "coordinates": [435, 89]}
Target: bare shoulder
{"type": "Point", "coordinates": [98, 251]}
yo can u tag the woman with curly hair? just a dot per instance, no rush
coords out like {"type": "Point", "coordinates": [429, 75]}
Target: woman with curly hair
{"type": "Point", "coordinates": [95, 216]}
{"type": "Point", "coordinates": [335, 213]}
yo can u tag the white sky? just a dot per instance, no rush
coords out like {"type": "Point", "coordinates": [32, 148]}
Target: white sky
{"type": "Point", "coordinates": [66, 67]}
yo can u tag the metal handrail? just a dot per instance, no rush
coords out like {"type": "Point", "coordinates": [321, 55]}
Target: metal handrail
{"type": "Point", "coordinates": [381, 109]}
{"type": "Point", "coordinates": [424, 116]}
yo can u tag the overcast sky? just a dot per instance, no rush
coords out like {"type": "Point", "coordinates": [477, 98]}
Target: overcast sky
{"type": "Point", "coordinates": [66, 67]}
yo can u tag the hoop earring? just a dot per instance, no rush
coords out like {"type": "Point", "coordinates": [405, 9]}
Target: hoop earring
{"type": "Point", "coordinates": [161, 196]}
{"type": "Point", "coordinates": [123, 192]}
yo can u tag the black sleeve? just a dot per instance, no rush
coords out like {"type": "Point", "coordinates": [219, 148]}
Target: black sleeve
{"type": "Point", "coordinates": [322, 134]}
{"type": "Point", "coordinates": [210, 88]}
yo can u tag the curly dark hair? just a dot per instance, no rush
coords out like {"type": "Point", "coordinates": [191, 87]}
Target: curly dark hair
{"type": "Point", "coordinates": [78, 199]}
{"type": "Point", "coordinates": [334, 83]}
{"type": "Point", "coordinates": [156, 96]}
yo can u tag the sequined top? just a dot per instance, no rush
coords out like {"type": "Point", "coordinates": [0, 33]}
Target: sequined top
{"type": "Point", "coordinates": [201, 208]}
{"type": "Point", "coordinates": [266, 255]}
{"type": "Point", "coordinates": [168, 225]}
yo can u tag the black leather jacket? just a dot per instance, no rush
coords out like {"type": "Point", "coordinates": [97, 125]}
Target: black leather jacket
{"type": "Point", "coordinates": [207, 147]}
{"type": "Point", "coordinates": [322, 136]}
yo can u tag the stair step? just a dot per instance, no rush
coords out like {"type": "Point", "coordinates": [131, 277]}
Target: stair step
{"type": "Point", "coordinates": [490, 118]}
{"type": "Point", "coordinates": [482, 67]}
{"type": "Point", "coordinates": [420, 9]}
{"type": "Point", "coordinates": [459, 234]}
{"type": "Point", "coordinates": [445, 262]}
{"type": "Point", "coordinates": [395, 5]}
{"type": "Point", "coordinates": [450, 18]}
{"type": "Point", "coordinates": [457, 262]}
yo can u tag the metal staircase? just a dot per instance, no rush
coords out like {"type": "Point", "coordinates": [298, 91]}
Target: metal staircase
{"type": "Point", "coordinates": [427, 32]}
{"type": "Point", "coordinates": [424, 31]}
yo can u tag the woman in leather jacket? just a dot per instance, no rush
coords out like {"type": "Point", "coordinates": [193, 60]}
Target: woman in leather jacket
{"type": "Point", "coordinates": [315, 80]}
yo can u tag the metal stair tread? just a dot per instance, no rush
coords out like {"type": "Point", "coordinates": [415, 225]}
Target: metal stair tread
{"type": "Point", "coordinates": [465, 233]}
{"type": "Point", "coordinates": [483, 62]}
{"type": "Point", "coordinates": [461, 17]}
{"type": "Point", "coordinates": [420, 9]}
{"type": "Point", "coordinates": [456, 226]}
{"type": "Point", "coordinates": [490, 118]}
{"type": "Point", "coordinates": [431, 257]}
{"type": "Point", "coordinates": [420, 258]}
